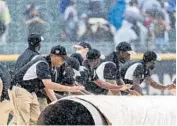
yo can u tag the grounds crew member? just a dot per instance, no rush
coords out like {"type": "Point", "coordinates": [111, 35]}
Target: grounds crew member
{"type": "Point", "coordinates": [64, 74]}
{"type": "Point", "coordinates": [32, 77]}
{"type": "Point", "coordinates": [83, 77]}
{"type": "Point", "coordinates": [5, 105]}
{"type": "Point", "coordinates": [75, 74]}
{"type": "Point", "coordinates": [120, 57]}
{"type": "Point", "coordinates": [102, 76]}
{"type": "Point", "coordinates": [82, 48]}
{"type": "Point", "coordinates": [78, 57]}
{"type": "Point", "coordinates": [137, 72]}
{"type": "Point", "coordinates": [34, 45]}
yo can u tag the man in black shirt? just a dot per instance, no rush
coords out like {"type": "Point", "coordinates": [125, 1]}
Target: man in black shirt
{"type": "Point", "coordinates": [135, 73]}
{"type": "Point", "coordinates": [34, 45]}
{"type": "Point", "coordinates": [5, 104]}
{"type": "Point", "coordinates": [101, 75]}
{"type": "Point", "coordinates": [32, 77]}
{"type": "Point", "coordinates": [82, 48]}
{"type": "Point", "coordinates": [83, 77]}
{"type": "Point", "coordinates": [119, 57]}
{"type": "Point", "coordinates": [66, 73]}
{"type": "Point", "coordinates": [78, 57]}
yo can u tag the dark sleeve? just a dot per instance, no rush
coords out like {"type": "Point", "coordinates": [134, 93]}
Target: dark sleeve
{"type": "Point", "coordinates": [138, 71]}
{"type": "Point", "coordinates": [6, 81]}
{"type": "Point", "coordinates": [84, 76]}
{"type": "Point", "coordinates": [118, 73]}
{"type": "Point", "coordinates": [93, 75]}
{"type": "Point", "coordinates": [68, 78]}
{"type": "Point", "coordinates": [24, 58]}
{"type": "Point", "coordinates": [110, 71]}
{"type": "Point", "coordinates": [43, 70]}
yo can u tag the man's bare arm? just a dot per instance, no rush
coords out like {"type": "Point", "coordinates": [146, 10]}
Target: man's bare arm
{"type": "Point", "coordinates": [136, 84]}
{"type": "Point", "coordinates": [154, 84]}
{"type": "Point", "coordinates": [50, 93]}
{"type": "Point", "coordinates": [110, 86]}
{"type": "Point", "coordinates": [58, 87]}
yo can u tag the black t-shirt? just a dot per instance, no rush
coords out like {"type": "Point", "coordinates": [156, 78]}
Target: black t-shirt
{"type": "Point", "coordinates": [65, 76]}
{"type": "Point", "coordinates": [113, 57]}
{"type": "Point", "coordinates": [30, 75]}
{"type": "Point", "coordinates": [105, 71]}
{"type": "Point", "coordinates": [137, 69]}
{"type": "Point", "coordinates": [83, 77]}
{"type": "Point", "coordinates": [25, 57]}
{"type": "Point", "coordinates": [43, 71]}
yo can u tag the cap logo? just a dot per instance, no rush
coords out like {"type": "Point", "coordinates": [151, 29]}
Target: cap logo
{"type": "Point", "coordinates": [42, 39]}
{"type": "Point", "coordinates": [57, 51]}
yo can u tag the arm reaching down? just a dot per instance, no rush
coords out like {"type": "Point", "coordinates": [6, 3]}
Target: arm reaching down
{"type": "Point", "coordinates": [58, 87]}
{"type": "Point", "coordinates": [155, 85]}
{"type": "Point", "coordinates": [50, 94]}
{"type": "Point", "coordinates": [110, 86]}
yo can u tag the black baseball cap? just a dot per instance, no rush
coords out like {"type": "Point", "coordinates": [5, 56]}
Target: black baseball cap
{"type": "Point", "coordinates": [124, 47]}
{"type": "Point", "coordinates": [73, 63]}
{"type": "Point", "coordinates": [149, 56]}
{"type": "Point", "coordinates": [34, 39]}
{"type": "Point", "coordinates": [59, 51]}
{"type": "Point", "coordinates": [83, 45]}
{"type": "Point", "coordinates": [93, 54]}
{"type": "Point", "coordinates": [78, 57]}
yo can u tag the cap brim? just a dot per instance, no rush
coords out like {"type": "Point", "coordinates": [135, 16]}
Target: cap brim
{"type": "Point", "coordinates": [131, 52]}
{"type": "Point", "coordinates": [77, 46]}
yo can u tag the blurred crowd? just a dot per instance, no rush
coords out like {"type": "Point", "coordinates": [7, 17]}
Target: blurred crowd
{"type": "Point", "coordinates": [142, 23]}
{"type": "Point", "coordinates": [4, 21]}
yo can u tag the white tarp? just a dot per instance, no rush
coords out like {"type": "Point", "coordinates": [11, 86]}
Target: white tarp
{"type": "Point", "coordinates": [128, 110]}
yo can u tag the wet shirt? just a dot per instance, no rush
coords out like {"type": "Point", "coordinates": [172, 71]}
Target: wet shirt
{"type": "Point", "coordinates": [24, 58]}
{"type": "Point", "coordinates": [105, 71]}
{"type": "Point", "coordinates": [136, 69]}
{"type": "Point", "coordinates": [63, 75]}
{"type": "Point", "coordinates": [82, 77]}
{"type": "Point", "coordinates": [30, 75]}
{"type": "Point", "coordinates": [6, 81]}
{"type": "Point", "coordinates": [113, 57]}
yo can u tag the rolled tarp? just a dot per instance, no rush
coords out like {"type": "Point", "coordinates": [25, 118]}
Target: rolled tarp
{"type": "Point", "coordinates": [111, 110]}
